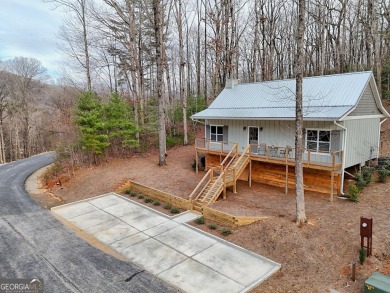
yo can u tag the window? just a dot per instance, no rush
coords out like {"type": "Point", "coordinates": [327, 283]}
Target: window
{"type": "Point", "coordinates": [318, 140]}
{"type": "Point", "coordinates": [216, 133]}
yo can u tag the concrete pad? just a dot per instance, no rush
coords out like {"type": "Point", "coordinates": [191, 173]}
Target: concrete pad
{"type": "Point", "coordinates": [182, 255]}
{"type": "Point", "coordinates": [154, 256]}
{"type": "Point", "coordinates": [186, 217]}
{"type": "Point", "coordinates": [122, 209]}
{"type": "Point", "coordinates": [106, 201]}
{"type": "Point", "coordinates": [136, 213]}
{"type": "Point", "coordinates": [103, 226]}
{"type": "Point", "coordinates": [144, 221]}
{"type": "Point", "coordinates": [91, 219]}
{"type": "Point", "coordinates": [193, 277]}
{"type": "Point", "coordinates": [115, 233]}
{"type": "Point", "coordinates": [74, 210]}
{"type": "Point", "coordinates": [234, 263]}
{"type": "Point", "coordinates": [129, 241]}
{"type": "Point", "coordinates": [186, 240]}
{"type": "Point", "coordinates": [161, 228]}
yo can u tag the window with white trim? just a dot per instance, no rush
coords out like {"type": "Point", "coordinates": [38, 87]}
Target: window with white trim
{"type": "Point", "coordinates": [216, 133]}
{"type": "Point", "coordinates": [318, 140]}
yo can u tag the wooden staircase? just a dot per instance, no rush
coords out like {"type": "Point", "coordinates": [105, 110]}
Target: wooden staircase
{"type": "Point", "coordinates": [217, 179]}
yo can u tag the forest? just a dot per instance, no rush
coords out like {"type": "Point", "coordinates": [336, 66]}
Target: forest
{"type": "Point", "coordinates": [134, 69]}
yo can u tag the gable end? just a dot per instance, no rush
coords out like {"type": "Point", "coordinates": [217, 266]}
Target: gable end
{"type": "Point", "coordinates": [366, 104]}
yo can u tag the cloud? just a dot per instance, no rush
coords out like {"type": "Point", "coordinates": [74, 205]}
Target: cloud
{"type": "Point", "coordinates": [28, 28]}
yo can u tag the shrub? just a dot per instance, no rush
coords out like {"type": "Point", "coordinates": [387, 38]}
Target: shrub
{"type": "Point", "coordinates": [148, 200]}
{"type": "Point", "coordinates": [133, 193]}
{"type": "Point", "coordinates": [168, 206]}
{"type": "Point", "coordinates": [226, 232]}
{"type": "Point", "coordinates": [127, 191]}
{"type": "Point", "coordinates": [157, 203]}
{"type": "Point", "coordinates": [140, 196]}
{"type": "Point", "coordinates": [175, 210]}
{"type": "Point", "coordinates": [213, 227]}
{"type": "Point", "coordinates": [353, 192]}
{"type": "Point", "coordinates": [200, 221]}
{"type": "Point", "coordinates": [367, 174]}
{"type": "Point", "coordinates": [383, 174]}
{"type": "Point", "coordinates": [360, 183]}
{"type": "Point", "coordinates": [387, 165]}
{"type": "Point", "coordinates": [362, 255]}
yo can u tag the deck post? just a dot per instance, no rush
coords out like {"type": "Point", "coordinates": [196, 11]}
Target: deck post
{"type": "Point", "coordinates": [235, 181]}
{"type": "Point", "coordinates": [196, 161]}
{"type": "Point", "coordinates": [331, 185]}
{"type": "Point", "coordinates": [224, 185]}
{"type": "Point", "coordinates": [250, 173]}
{"type": "Point", "coordinates": [286, 188]}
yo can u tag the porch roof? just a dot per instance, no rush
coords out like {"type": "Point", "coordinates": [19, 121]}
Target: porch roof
{"type": "Point", "coordinates": [329, 97]}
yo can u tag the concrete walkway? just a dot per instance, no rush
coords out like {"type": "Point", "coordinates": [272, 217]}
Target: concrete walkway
{"type": "Point", "coordinates": [188, 258]}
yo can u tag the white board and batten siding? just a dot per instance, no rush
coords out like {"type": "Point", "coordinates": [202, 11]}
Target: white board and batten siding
{"type": "Point", "coordinates": [366, 104]}
{"type": "Point", "coordinates": [362, 140]}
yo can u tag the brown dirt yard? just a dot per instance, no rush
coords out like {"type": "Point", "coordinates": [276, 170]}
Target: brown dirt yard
{"type": "Point", "coordinates": [314, 258]}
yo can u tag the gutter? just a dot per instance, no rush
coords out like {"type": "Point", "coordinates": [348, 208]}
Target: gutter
{"type": "Point", "coordinates": [379, 136]}
{"type": "Point", "coordinates": [198, 121]}
{"type": "Point", "coordinates": [344, 149]}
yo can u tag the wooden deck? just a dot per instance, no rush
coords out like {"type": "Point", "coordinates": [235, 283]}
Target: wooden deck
{"type": "Point", "coordinates": [274, 165]}
{"type": "Point", "coordinates": [281, 155]}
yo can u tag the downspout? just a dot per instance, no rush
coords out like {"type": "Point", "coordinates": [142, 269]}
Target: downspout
{"type": "Point", "coordinates": [344, 156]}
{"type": "Point", "coordinates": [379, 137]}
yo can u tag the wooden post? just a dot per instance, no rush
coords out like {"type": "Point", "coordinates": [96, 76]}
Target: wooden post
{"type": "Point", "coordinates": [286, 189]}
{"type": "Point", "coordinates": [196, 160]}
{"type": "Point", "coordinates": [333, 160]}
{"type": "Point", "coordinates": [224, 185]}
{"type": "Point", "coordinates": [308, 157]}
{"type": "Point", "coordinates": [250, 173]}
{"type": "Point", "coordinates": [331, 185]}
{"type": "Point", "coordinates": [235, 181]}
{"type": "Point", "coordinates": [353, 277]}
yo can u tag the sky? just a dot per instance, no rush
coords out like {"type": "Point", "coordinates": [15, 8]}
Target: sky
{"type": "Point", "coordinates": [28, 28]}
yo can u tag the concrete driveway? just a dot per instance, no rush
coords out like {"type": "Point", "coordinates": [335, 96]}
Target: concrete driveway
{"type": "Point", "coordinates": [188, 258]}
{"type": "Point", "coordinates": [33, 244]}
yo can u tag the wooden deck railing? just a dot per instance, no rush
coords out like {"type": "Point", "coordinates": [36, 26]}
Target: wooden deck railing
{"type": "Point", "coordinates": [272, 153]}
{"type": "Point", "coordinates": [215, 146]}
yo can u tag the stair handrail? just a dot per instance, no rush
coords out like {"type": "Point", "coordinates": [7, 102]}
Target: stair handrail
{"type": "Point", "coordinates": [234, 148]}
{"type": "Point", "coordinates": [242, 156]}
{"type": "Point", "coordinates": [221, 176]}
{"type": "Point", "coordinates": [207, 175]}
{"type": "Point", "coordinates": [247, 150]}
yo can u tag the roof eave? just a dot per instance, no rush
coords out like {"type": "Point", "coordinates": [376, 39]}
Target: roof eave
{"type": "Point", "coordinates": [265, 118]}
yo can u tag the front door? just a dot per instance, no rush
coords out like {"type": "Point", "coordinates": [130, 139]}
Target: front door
{"type": "Point", "coordinates": [253, 138]}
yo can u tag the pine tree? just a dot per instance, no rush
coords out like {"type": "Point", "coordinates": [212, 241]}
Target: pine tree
{"type": "Point", "coordinates": [120, 127]}
{"type": "Point", "coordinates": [92, 126]}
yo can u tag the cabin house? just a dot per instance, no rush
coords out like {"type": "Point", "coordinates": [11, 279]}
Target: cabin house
{"type": "Point", "coordinates": [250, 132]}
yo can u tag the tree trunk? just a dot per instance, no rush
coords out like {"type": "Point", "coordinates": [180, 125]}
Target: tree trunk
{"type": "Point", "coordinates": [86, 47]}
{"type": "Point", "coordinates": [299, 148]}
{"type": "Point", "coordinates": [183, 97]}
{"type": "Point", "coordinates": [158, 27]}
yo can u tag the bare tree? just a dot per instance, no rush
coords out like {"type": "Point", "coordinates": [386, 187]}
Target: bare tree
{"type": "Point", "coordinates": [158, 28]}
{"type": "Point", "coordinates": [299, 148]}
{"type": "Point", "coordinates": [183, 97]}
{"type": "Point", "coordinates": [74, 34]}
{"type": "Point", "coordinates": [25, 70]}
